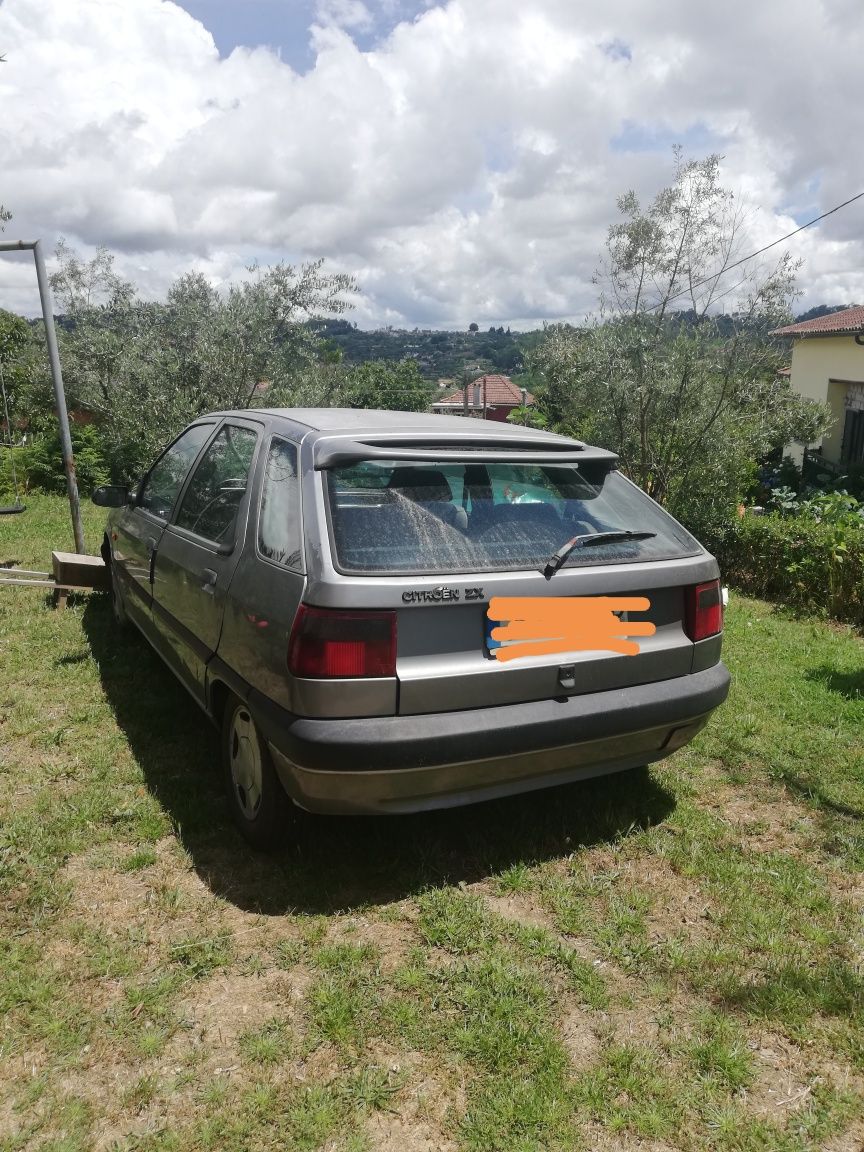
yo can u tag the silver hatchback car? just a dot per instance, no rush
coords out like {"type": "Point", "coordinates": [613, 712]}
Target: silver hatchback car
{"type": "Point", "coordinates": [320, 581]}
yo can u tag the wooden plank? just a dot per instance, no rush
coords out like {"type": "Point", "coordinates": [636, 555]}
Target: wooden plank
{"type": "Point", "coordinates": [78, 571]}
{"type": "Point", "coordinates": [23, 572]}
{"type": "Point", "coordinates": [46, 584]}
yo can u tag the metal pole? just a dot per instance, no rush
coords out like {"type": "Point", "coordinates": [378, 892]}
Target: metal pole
{"type": "Point", "coordinates": [57, 379]}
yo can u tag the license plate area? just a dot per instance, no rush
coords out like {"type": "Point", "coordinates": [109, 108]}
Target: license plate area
{"type": "Point", "coordinates": [489, 644]}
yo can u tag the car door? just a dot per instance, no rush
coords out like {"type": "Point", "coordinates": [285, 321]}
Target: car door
{"type": "Point", "coordinates": [138, 528]}
{"type": "Point", "coordinates": [199, 550]}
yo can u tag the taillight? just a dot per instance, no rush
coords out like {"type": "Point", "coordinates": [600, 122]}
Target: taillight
{"type": "Point", "coordinates": [704, 609]}
{"type": "Point", "coordinates": [326, 642]}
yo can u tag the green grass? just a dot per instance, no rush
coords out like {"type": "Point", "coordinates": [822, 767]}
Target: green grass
{"type": "Point", "coordinates": [669, 956]}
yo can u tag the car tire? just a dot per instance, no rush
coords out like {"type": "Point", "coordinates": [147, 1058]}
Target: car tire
{"type": "Point", "coordinates": [259, 806]}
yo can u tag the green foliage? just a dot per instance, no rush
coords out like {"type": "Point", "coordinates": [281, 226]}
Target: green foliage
{"type": "Point", "coordinates": [810, 563]}
{"type": "Point", "coordinates": [19, 353]}
{"type": "Point", "coordinates": [527, 416]}
{"type": "Point", "coordinates": [14, 336]}
{"type": "Point", "coordinates": [148, 368]}
{"type": "Point", "coordinates": [689, 401]}
{"type": "Point", "coordinates": [377, 384]}
{"type": "Point", "coordinates": [838, 508]}
{"type": "Point", "coordinates": [40, 462]}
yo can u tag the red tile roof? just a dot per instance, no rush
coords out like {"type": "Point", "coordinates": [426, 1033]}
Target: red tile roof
{"type": "Point", "coordinates": [848, 320]}
{"type": "Point", "coordinates": [500, 391]}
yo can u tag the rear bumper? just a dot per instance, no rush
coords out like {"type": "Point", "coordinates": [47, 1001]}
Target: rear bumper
{"type": "Point", "coordinates": [415, 763]}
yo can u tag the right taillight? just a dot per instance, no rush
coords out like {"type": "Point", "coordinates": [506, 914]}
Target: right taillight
{"type": "Point", "coordinates": [327, 643]}
{"type": "Point", "coordinates": [704, 610]}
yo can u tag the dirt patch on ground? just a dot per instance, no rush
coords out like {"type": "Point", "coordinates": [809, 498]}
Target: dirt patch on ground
{"type": "Point", "coordinates": [219, 1011]}
{"type": "Point", "coordinates": [637, 1020]}
{"type": "Point", "coordinates": [599, 1140]}
{"type": "Point", "coordinates": [781, 1084]}
{"type": "Point", "coordinates": [102, 894]}
{"type": "Point", "coordinates": [579, 1036]}
{"type": "Point", "coordinates": [768, 822]}
{"type": "Point", "coordinates": [680, 906]}
{"type": "Point", "coordinates": [401, 1133]}
{"type": "Point", "coordinates": [392, 939]}
{"type": "Point", "coordinates": [851, 1141]}
{"type": "Point", "coordinates": [423, 1112]}
{"type": "Point", "coordinates": [786, 1076]}
{"type": "Point", "coordinates": [521, 910]}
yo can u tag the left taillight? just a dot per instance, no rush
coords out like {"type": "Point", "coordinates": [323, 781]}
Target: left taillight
{"type": "Point", "coordinates": [329, 643]}
{"type": "Point", "coordinates": [704, 610]}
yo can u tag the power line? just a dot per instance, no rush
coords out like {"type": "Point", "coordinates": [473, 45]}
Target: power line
{"type": "Point", "coordinates": [759, 251]}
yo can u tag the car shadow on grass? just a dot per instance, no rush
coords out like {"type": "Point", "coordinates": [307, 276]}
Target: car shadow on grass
{"type": "Point", "coordinates": [338, 863]}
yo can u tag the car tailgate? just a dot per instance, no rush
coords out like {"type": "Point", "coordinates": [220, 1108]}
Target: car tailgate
{"type": "Point", "coordinates": [443, 662]}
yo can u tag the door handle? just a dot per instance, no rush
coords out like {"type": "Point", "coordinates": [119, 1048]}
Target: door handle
{"type": "Point", "coordinates": [208, 580]}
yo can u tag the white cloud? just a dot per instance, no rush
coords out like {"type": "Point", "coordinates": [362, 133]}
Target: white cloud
{"type": "Point", "coordinates": [465, 167]}
{"type": "Point", "coordinates": [345, 14]}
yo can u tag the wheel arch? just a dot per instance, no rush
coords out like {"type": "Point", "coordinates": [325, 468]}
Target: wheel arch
{"type": "Point", "coordinates": [222, 683]}
{"type": "Point", "coordinates": [218, 698]}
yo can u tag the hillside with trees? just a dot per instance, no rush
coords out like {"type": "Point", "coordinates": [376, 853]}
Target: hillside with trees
{"type": "Point", "coordinates": [439, 354]}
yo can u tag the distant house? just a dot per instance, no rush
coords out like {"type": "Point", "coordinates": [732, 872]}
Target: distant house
{"type": "Point", "coordinates": [489, 398]}
{"type": "Point", "coordinates": [828, 365]}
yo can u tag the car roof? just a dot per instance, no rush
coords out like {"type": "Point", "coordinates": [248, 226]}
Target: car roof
{"type": "Point", "coordinates": [368, 421]}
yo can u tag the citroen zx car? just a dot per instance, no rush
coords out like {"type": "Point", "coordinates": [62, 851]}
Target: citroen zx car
{"type": "Point", "coordinates": [319, 580]}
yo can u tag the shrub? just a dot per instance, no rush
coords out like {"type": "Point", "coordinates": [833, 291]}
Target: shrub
{"type": "Point", "coordinates": [8, 475]}
{"type": "Point", "coordinates": [41, 461]}
{"type": "Point", "coordinates": [814, 565]}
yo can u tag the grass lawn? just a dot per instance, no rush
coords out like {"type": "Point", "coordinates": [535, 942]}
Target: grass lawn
{"type": "Point", "coordinates": [670, 959]}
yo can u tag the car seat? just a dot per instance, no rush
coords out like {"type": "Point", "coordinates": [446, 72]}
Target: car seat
{"type": "Point", "coordinates": [428, 488]}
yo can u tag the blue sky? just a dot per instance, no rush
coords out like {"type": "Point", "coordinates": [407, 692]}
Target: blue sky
{"type": "Point", "coordinates": [275, 24]}
{"type": "Point", "coordinates": [283, 25]}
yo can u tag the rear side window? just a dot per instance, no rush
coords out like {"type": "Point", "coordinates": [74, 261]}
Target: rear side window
{"type": "Point", "coordinates": [279, 521]}
{"type": "Point", "coordinates": [394, 516]}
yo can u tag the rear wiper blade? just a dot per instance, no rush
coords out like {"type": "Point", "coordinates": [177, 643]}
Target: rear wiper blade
{"type": "Point", "coordinates": [589, 540]}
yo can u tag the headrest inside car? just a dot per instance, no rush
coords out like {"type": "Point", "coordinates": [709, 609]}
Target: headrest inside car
{"type": "Point", "coordinates": [421, 484]}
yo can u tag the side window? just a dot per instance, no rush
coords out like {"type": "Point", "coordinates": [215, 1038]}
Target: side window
{"type": "Point", "coordinates": [215, 493]}
{"type": "Point", "coordinates": [168, 473]}
{"type": "Point", "coordinates": [279, 522]}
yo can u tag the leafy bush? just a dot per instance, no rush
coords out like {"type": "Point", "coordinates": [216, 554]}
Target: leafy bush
{"type": "Point", "coordinates": [40, 463]}
{"type": "Point", "coordinates": [8, 476]}
{"type": "Point", "coordinates": [812, 564]}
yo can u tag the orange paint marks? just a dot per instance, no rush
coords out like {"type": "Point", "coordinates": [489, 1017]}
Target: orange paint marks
{"type": "Point", "coordinates": [539, 625]}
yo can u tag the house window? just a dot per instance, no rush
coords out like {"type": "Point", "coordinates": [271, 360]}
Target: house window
{"type": "Point", "coordinates": [853, 437]}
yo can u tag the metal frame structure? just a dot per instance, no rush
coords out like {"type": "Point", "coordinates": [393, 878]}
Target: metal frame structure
{"type": "Point", "coordinates": [35, 246]}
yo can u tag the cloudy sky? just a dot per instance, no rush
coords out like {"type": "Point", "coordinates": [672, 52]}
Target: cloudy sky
{"type": "Point", "coordinates": [461, 158]}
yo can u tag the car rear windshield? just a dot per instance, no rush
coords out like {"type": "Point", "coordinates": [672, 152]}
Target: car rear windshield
{"type": "Point", "coordinates": [393, 516]}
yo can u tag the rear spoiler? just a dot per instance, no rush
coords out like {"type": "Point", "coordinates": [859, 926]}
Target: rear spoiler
{"type": "Point", "coordinates": [338, 453]}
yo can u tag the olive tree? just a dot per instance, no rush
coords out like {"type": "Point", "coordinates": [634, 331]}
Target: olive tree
{"type": "Point", "coordinates": [384, 384]}
{"type": "Point", "coordinates": [689, 396]}
{"type": "Point", "coordinates": [146, 368]}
